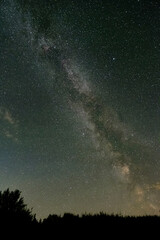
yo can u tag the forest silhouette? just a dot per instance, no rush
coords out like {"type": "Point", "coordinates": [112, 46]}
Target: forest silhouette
{"type": "Point", "coordinates": [14, 214]}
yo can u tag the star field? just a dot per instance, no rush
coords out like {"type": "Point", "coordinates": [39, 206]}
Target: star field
{"type": "Point", "coordinates": [79, 105]}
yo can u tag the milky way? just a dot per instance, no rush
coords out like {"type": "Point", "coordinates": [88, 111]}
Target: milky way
{"type": "Point", "coordinates": [114, 141]}
{"type": "Point", "coordinates": [79, 106]}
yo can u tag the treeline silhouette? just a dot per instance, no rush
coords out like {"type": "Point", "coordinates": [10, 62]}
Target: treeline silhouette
{"type": "Point", "coordinates": [15, 214]}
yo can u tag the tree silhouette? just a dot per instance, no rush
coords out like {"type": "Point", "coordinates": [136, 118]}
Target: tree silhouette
{"type": "Point", "coordinates": [13, 210]}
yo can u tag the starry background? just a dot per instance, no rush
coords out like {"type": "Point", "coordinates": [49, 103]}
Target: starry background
{"type": "Point", "coordinates": [79, 124]}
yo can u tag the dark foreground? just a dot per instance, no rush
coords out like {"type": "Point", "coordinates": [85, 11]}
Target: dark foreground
{"type": "Point", "coordinates": [100, 226]}
{"type": "Point", "coordinates": [16, 220]}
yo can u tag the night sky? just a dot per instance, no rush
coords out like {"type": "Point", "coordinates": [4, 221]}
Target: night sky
{"type": "Point", "coordinates": [80, 105]}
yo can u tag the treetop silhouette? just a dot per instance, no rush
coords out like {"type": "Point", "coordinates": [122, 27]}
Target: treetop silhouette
{"type": "Point", "coordinates": [13, 209]}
